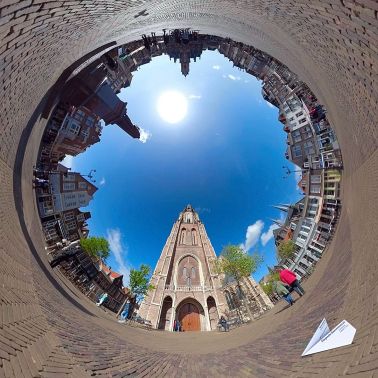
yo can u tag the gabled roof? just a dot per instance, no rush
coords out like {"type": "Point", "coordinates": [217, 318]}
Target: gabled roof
{"type": "Point", "coordinates": [110, 273]}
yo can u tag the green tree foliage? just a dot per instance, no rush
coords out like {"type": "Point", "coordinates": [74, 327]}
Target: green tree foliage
{"type": "Point", "coordinates": [268, 288]}
{"type": "Point", "coordinates": [96, 247]}
{"type": "Point", "coordinates": [139, 284]}
{"type": "Point", "coordinates": [235, 262]}
{"type": "Point", "coordinates": [286, 250]}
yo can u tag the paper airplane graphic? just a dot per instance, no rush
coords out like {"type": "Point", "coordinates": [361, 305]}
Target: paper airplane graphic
{"type": "Point", "coordinates": [324, 339]}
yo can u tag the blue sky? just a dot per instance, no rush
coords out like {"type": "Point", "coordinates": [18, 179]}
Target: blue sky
{"type": "Point", "coordinates": [225, 158]}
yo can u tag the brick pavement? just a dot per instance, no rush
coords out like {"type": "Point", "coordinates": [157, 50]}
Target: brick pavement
{"type": "Point", "coordinates": [46, 330]}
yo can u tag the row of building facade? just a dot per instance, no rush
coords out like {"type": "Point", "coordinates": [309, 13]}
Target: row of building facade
{"type": "Point", "coordinates": [311, 145]}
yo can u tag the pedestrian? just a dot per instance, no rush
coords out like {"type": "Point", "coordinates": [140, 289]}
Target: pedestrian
{"type": "Point", "coordinates": [289, 277]}
{"type": "Point", "coordinates": [280, 289]}
{"type": "Point", "coordinates": [102, 299]}
{"type": "Point", "coordinates": [124, 313]}
{"type": "Point", "coordinates": [41, 183]}
{"type": "Point", "coordinates": [224, 324]}
{"type": "Point", "coordinates": [178, 326]}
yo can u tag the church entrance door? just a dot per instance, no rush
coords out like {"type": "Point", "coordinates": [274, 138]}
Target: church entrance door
{"type": "Point", "coordinates": [189, 317]}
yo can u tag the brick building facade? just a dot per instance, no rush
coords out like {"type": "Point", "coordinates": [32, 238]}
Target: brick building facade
{"type": "Point", "coordinates": [186, 288]}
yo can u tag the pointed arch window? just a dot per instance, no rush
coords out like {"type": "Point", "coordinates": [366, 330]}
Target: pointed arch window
{"type": "Point", "coordinates": [188, 237]}
{"type": "Point", "coordinates": [182, 236]}
{"type": "Point", "coordinates": [193, 272]}
{"type": "Point", "coordinates": [229, 300]}
{"type": "Point", "coordinates": [194, 237]}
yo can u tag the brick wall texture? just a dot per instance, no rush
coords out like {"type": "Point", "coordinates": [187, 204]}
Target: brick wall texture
{"type": "Point", "coordinates": [46, 329]}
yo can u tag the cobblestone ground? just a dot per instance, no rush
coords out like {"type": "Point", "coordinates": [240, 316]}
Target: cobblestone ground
{"type": "Point", "coordinates": [47, 329]}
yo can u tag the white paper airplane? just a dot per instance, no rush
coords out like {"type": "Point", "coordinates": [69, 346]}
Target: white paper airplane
{"type": "Point", "coordinates": [324, 339]}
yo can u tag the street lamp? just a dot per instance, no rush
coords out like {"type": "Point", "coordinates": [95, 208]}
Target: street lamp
{"type": "Point", "coordinates": [90, 175]}
{"type": "Point", "coordinates": [289, 171]}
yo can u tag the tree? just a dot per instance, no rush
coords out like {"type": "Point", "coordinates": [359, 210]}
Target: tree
{"type": "Point", "coordinates": [268, 285]}
{"type": "Point", "coordinates": [96, 247]}
{"type": "Point", "coordinates": [268, 288]}
{"type": "Point", "coordinates": [139, 281]}
{"type": "Point", "coordinates": [286, 250]}
{"type": "Point", "coordinates": [236, 263]}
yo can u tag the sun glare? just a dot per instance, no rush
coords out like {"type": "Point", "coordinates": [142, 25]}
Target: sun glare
{"type": "Point", "coordinates": [172, 106]}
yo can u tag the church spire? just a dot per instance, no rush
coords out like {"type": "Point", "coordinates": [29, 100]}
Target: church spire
{"type": "Point", "coordinates": [278, 222]}
{"type": "Point", "coordinates": [283, 207]}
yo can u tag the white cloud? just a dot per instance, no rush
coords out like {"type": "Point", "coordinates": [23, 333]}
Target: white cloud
{"type": "Point", "coordinates": [216, 67]}
{"type": "Point", "coordinates": [68, 161]}
{"type": "Point", "coordinates": [194, 97]}
{"type": "Point", "coordinates": [266, 236]}
{"type": "Point", "coordinates": [114, 238]}
{"type": "Point", "coordinates": [144, 135]}
{"type": "Point", "coordinates": [269, 104]}
{"type": "Point", "coordinates": [202, 210]}
{"type": "Point", "coordinates": [102, 181]}
{"type": "Point", "coordinates": [232, 77]}
{"type": "Point", "coordinates": [252, 235]}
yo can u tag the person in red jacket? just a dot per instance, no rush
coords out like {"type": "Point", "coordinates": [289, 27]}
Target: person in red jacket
{"type": "Point", "coordinates": [289, 277]}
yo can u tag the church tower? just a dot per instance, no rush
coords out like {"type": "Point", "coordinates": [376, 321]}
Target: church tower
{"type": "Point", "coordinates": [186, 287]}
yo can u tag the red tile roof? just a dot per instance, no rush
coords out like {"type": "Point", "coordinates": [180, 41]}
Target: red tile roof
{"type": "Point", "coordinates": [113, 275]}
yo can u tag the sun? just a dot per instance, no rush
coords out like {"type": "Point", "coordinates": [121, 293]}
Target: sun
{"type": "Point", "coordinates": [172, 106]}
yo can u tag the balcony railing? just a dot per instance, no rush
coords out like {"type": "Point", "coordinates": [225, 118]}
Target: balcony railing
{"type": "Point", "coordinates": [187, 288]}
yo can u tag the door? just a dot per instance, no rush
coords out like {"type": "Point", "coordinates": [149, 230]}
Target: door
{"type": "Point", "coordinates": [189, 317]}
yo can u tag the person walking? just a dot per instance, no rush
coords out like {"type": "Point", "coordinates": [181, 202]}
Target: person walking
{"type": "Point", "coordinates": [224, 324]}
{"type": "Point", "coordinates": [178, 326]}
{"type": "Point", "coordinates": [124, 313]}
{"type": "Point", "coordinates": [289, 277]}
{"type": "Point", "coordinates": [280, 289]}
{"type": "Point", "coordinates": [102, 299]}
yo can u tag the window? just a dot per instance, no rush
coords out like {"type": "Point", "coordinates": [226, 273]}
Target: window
{"type": "Point", "coordinates": [71, 225]}
{"type": "Point", "coordinates": [296, 135]}
{"type": "Point", "coordinates": [316, 179]}
{"type": "Point", "coordinates": [74, 128]}
{"type": "Point", "coordinates": [69, 177]}
{"type": "Point", "coordinates": [309, 148]}
{"type": "Point", "coordinates": [69, 186]}
{"type": "Point", "coordinates": [182, 238]}
{"type": "Point", "coordinates": [194, 237]}
{"type": "Point", "coordinates": [307, 132]}
{"type": "Point", "coordinates": [315, 189]}
{"type": "Point", "coordinates": [300, 274]}
{"type": "Point", "coordinates": [303, 120]}
{"type": "Point", "coordinates": [229, 300]}
{"type": "Point", "coordinates": [193, 273]}
{"type": "Point", "coordinates": [309, 259]}
{"type": "Point", "coordinates": [79, 115]}
{"type": "Point", "coordinates": [302, 236]}
{"type": "Point", "coordinates": [299, 114]}
{"type": "Point", "coordinates": [84, 133]}
{"type": "Point", "coordinates": [82, 185]}
{"type": "Point", "coordinates": [69, 217]}
{"type": "Point", "coordinates": [297, 151]}
{"type": "Point", "coordinates": [184, 272]}
{"type": "Point", "coordinates": [89, 121]}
